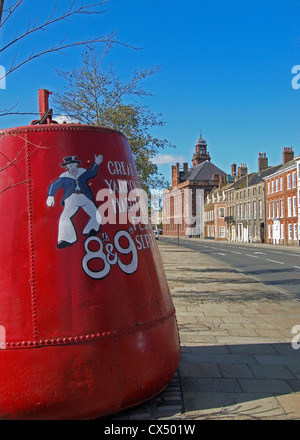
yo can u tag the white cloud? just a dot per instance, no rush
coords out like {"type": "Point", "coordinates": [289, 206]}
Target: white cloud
{"type": "Point", "coordinates": [65, 119]}
{"type": "Point", "coordinates": [168, 159]}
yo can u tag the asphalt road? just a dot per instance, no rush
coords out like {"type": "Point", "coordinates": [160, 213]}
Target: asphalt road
{"type": "Point", "coordinates": [277, 266]}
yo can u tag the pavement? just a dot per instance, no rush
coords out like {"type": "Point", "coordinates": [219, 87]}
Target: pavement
{"type": "Point", "coordinates": [237, 358]}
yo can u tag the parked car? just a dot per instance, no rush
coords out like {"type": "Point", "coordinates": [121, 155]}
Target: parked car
{"type": "Point", "coordinates": [156, 234]}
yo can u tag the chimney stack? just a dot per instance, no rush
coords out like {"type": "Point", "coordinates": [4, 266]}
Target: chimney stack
{"type": "Point", "coordinates": [262, 162]}
{"type": "Point", "coordinates": [287, 154]}
{"type": "Point", "coordinates": [175, 174]}
{"type": "Point", "coordinates": [233, 169]}
{"type": "Point", "coordinates": [242, 170]}
{"type": "Point", "coordinates": [185, 167]}
{"type": "Point", "coordinates": [222, 182]}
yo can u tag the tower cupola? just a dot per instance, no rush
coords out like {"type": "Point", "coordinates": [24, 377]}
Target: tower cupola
{"type": "Point", "coordinates": [201, 154]}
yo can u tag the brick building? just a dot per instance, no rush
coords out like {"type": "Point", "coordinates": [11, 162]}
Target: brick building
{"type": "Point", "coordinates": [281, 202]}
{"type": "Point", "coordinates": [253, 200]}
{"type": "Point", "coordinates": [184, 201]}
{"type": "Point", "coordinates": [215, 211]}
{"type": "Point", "coordinates": [297, 161]}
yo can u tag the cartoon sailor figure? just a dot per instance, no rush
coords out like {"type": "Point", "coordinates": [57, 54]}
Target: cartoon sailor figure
{"type": "Point", "coordinates": [77, 194]}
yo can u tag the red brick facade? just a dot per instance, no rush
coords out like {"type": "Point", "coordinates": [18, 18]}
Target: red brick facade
{"type": "Point", "coordinates": [281, 207]}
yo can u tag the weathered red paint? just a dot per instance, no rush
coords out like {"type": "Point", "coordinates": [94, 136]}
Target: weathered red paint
{"type": "Point", "coordinates": [76, 346]}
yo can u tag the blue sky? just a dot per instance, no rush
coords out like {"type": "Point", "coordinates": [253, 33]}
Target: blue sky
{"type": "Point", "coordinates": [225, 69]}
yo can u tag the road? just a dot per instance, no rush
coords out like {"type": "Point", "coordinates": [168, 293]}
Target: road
{"type": "Point", "coordinates": [277, 266]}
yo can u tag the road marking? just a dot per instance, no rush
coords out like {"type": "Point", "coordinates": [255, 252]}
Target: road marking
{"type": "Point", "coordinates": [235, 252]}
{"type": "Point", "coordinates": [258, 252]}
{"type": "Point", "coordinates": [293, 255]}
{"type": "Point", "coordinates": [273, 261]}
{"type": "Point", "coordinates": [253, 256]}
{"type": "Point", "coordinates": [297, 267]}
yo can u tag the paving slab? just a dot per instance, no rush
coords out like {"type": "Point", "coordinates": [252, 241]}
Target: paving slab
{"type": "Point", "coordinates": [237, 361]}
{"type": "Point", "coordinates": [254, 369]}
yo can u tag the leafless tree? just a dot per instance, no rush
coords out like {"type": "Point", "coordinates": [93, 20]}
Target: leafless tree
{"type": "Point", "coordinates": [9, 8]}
{"type": "Point", "coordinates": [59, 12]}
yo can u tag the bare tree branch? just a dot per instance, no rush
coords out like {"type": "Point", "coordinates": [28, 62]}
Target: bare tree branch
{"type": "Point", "coordinates": [108, 40]}
{"type": "Point", "coordinates": [19, 157]}
{"type": "Point", "coordinates": [53, 18]}
{"type": "Point", "coordinates": [13, 185]}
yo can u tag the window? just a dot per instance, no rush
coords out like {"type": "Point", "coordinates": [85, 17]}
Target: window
{"type": "Point", "coordinates": [249, 211]}
{"type": "Point", "coordinates": [269, 231]}
{"type": "Point", "coordinates": [281, 183]}
{"type": "Point", "coordinates": [294, 179]}
{"type": "Point", "coordinates": [260, 209]}
{"type": "Point", "coordinates": [272, 186]}
{"type": "Point", "coordinates": [269, 210]}
{"type": "Point", "coordinates": [295, 231]}
{"type": "Point", "coordinates": [221, 212]}
{"type": "Point", "coordinates": [289, 185]}
{"type": "Point", "coordinates": [282, 231]}
{"type": "Point", "coordinates": [281, 208]}
{"type": "Point", "coordinates": [294, 206]}
{"type": "Point", "coordinates": [273, 212]}
{"type": "Point", "coordinates": [268, 187]}
{"type": "Point", "coordinates": [290, 231]}
{"type": "Point", "coordinates": [276, 185]}
{"type": "Point", "coordinates": [289, 207]}
{"type": "Point", "coordinates": [277, 209]}
{"type": "Point", "coordinates": [254, 210]}
{"type": "Point", "coordinates": [222, 231]}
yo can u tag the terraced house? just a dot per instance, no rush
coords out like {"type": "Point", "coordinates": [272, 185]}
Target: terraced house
{"type": "Point", "coordinates": [281, 202]}
{"type": "Point", "coordinates": [260, 207]}
{"type": "Point", "coordinates": [215, 210]}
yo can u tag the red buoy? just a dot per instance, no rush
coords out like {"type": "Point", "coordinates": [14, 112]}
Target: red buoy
{"type": "Point", "coordinates": [87, 323]}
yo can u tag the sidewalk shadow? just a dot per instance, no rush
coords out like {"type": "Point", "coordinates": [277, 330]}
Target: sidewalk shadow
{"type": "Point", "coordinates": [227, 382]}
{"type": "Point", "coordinates": [239, 381]}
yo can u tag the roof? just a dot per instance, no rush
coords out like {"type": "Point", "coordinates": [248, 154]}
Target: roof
{"type": "Point", "coordinates": [259, 177]}
{"type": "Point", "coordinates": [201, 141]}
{"type": "Point", "coordinates": [240, 183]}
{"type": "Point", "coordinates": [203, 171]}
{"type": "Point", "coordinates": [281, 167]}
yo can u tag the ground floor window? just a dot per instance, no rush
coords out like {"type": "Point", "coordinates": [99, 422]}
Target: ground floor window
{"type": "Point", "coordinates": [282, 231]}
{"type": "Point", "coordinates": [290, 231]}
{"type": "Point", "coordinates": [222, 231]}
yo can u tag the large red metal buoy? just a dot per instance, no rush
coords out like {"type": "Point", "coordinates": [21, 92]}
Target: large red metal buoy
{"type": "Point", "coordinates": [87, 323]}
